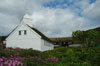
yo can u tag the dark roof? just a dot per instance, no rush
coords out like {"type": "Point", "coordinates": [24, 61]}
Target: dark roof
{"type": "Point", "coordinates": [61, 39]}
{"type": "Point", "coordinates": [41, 34]}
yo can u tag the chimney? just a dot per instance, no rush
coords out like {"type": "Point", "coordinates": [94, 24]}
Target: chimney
{"type": "Point", "coordinates": [27, 20]}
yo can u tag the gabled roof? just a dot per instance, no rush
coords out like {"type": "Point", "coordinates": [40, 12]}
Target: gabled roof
{"type": "Point", "coordinates": [41, 34]}
{"type": "Point", "coordinates": [37, 31]}
{"type": "Point", "coordinates": [11, 31]}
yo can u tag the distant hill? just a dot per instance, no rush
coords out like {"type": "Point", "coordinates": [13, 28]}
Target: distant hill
{"type": "Point", "coordinates": [97, 29]}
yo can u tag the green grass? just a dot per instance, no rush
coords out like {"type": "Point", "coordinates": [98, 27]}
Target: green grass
{"type": "Point", "coordinates": [66, 56]}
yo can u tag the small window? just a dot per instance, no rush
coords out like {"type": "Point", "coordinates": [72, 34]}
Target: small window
{"type": "Point", "coordinates": [25, 32]}
{"type": "Point", "coordinates": [19, 32]}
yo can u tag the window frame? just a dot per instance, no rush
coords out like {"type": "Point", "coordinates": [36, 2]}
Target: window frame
{"type": "Point", "coordinates": [20, 32]}
{"type": "Point", "coordinates": [25, 32]}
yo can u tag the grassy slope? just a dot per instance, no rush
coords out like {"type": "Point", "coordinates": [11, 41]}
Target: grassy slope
{"type": "Point", "coordinates": [66, 56]}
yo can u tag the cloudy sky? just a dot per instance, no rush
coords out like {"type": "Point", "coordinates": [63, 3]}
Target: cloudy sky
{"type": "Point", "coordinates": [54, 18]}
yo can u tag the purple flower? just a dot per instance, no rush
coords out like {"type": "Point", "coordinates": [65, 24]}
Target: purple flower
{"type": "Point", "coordinates": [7, 49]}
{"type": "Point", "coordinates": [14, 63]}
{"type": "Point", "coordinates": [18, 49]}
{"type": "Point", "coordinates": [12, 56]}
{"type": "Point", "coordinates": [6, 63]}
{"type": "Point", "coordinates": [20, 58]}
{"type": "Point", "coordinates": [4, 58]}
{"type": "Point", "coordinates": [11, 62]}
{"type": "Point", "coordinates": [53, 59]}
{"type": "Point", "coordinates": [1, 64]}
{"type": "Point", "coordinates": [20, 63]}
{"type": "Point", "coordinates": [1, 59]}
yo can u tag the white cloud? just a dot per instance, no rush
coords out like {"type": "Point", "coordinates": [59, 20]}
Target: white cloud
{"type": "Point", "coordinates": [12, 7]}
{"type": "Point", "coordinates": [58, 22]}
{"type": "Point", "coordinates": [93, 11]}
{"type": "Point", "coordinates": [53, 22]}
{"type": "Point", "coordinates": [7, 23]}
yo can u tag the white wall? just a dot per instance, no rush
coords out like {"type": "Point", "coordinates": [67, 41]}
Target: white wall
{"type": "Point", "coordinates": [30, 40]}
{"type": "Point", "coordinates": [46, 45]}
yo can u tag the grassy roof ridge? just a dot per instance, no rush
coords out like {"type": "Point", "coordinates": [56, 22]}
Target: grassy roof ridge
{"type": "Point", "coordinates": [41, 34]}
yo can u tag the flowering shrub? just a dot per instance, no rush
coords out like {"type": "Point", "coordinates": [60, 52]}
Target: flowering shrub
{"type": "Point", "coordinates": [13, 61]}
{"type": "Point", "coordinates": [37, 59]}
{"type": "Point", "coordinates": [7, 49]}
{"type": "Point", "coordinates": [53, 59]}
{"type": "Point", "coordinates": [57, 57]}
{"type": "Point", "coordinates": [17, 49]}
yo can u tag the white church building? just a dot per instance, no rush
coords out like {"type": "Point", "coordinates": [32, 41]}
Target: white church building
{"type": "Point", "coordinates": [25, 36]}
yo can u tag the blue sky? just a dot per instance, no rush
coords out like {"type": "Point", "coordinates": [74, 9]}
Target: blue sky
{"type": "Point", "coordinates": [54, 18]}
{"type": "Point", "coordinates": [63, 4]}
{"type": "Point", "coordinates": [67, 3]}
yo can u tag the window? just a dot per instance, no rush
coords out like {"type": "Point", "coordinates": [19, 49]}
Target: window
{"type": "Point", "coordinates": [19, 32]}
{"type": "Point", "coordinates": [25, 32]}
{"type": "Point", "coordinates": [47, 44]}
{"type": "Point", "coordinates": [22, 32]}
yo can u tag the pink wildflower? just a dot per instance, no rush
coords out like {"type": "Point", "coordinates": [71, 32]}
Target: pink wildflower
{"type": "Point", "coordinates": [1, 64]}
{"type": "Point", "coordinates": [7, 49]}
{"type": "Point", "coordinates": [1, 59]}
{"type": "Point", "coordinates": [20, 58]}
{"type": "Point", "coordinates": [18, 49]}
{"type": "Point", "coordinates": [6, 63]}
{"type": "Point", "coordinates": [53, 59]}
{"type": "Point", "coordinates": [4, 58]}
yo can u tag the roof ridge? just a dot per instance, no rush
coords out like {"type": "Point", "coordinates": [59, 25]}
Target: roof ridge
{"type": "Point", "coordinates": [41, 34]}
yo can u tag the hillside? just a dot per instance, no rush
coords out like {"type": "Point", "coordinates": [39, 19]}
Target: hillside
{"type": "Point", "coordinates": [88, 38]}
{"type": "Point", "coordinates": [58, 57]}
{"type": "Point", "coordinates": [97, 29]}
